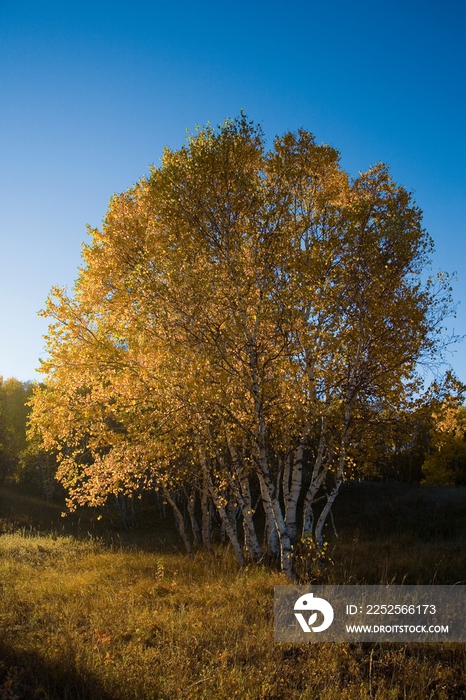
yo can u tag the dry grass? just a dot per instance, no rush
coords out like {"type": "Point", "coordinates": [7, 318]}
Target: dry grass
{"type": "Point", "coordinates": [82, 620]}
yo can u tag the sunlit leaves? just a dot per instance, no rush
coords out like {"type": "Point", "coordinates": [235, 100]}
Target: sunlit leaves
{"type": "Point", "coordinates": [238, 301]}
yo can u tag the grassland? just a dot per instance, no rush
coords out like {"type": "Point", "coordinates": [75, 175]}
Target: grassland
{"type": "Point", "coordinates": [101, 614]}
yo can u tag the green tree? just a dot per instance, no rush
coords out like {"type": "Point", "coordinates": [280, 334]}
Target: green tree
{"type": "Point", "coordinates": [14, 411]}
{"type": "Point", "coordinates": [236, 320]}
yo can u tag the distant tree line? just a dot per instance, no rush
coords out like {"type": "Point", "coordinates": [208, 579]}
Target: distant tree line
{"type": "Point", "coordinates": [22, 461]}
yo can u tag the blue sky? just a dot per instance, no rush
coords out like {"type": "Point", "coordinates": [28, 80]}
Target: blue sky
{"type": "Point", "coordinates": [90, 94]}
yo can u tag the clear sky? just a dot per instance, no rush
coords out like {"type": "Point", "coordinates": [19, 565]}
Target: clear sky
{"type": "Point", "coordinates": [91, 92]}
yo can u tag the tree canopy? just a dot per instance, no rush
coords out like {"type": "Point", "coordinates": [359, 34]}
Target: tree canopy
{"type": "Point", "coordinates": [240, 322]}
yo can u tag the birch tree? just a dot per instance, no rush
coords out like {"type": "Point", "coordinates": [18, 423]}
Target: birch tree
{"type": "Point", "coordinates": [237, 316]}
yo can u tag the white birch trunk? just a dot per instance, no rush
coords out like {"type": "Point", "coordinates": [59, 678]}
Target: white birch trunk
{"type": "Point", "coordinates": [273, 507]}
{"type": "Point", "coordinates": [220, 505]}
{"type": "Point", "coordinates": [318, 475]}
{"type": "Point", "coordinates": [180, 521]}
{"type": "Point", "coordinates": [192, 515]}
{"type": "Point", "coordinates": [294, 490]}
{"type": "Point", "coordinates": [319, 538]}
{"type": "Point", "coordinates": [339, 478]}
{"type": "Point", "coordinates": [243, 497]}
{"type": "Point", "coordinates": [240, 487]}
{"type": "Point", "coordinates": [230, 531]}
{"type": "Point", "coordinates": [273, 546]}
{"type": "Point", "coordinates": [206, 515]}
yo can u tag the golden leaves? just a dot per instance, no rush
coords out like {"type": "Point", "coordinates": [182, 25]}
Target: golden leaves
{"type": "Point", "coordinates": [234, 288]}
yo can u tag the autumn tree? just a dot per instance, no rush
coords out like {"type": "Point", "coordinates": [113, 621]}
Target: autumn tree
{"type": "Point", "coordinates": [236, 320]}
{"type": "Point", "coordinates": [445, 458]}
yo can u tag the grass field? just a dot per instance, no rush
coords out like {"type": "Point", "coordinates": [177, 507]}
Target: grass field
{"type": "Point", "coordinates": [95, 614]}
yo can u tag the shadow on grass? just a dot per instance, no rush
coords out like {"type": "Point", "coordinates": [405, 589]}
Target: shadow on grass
{"type": "Point", "coordinates": [25, 675]}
